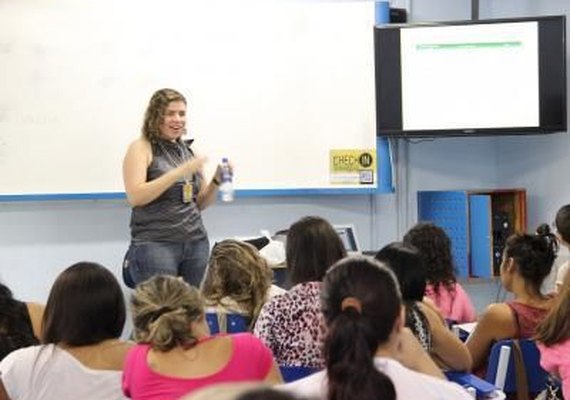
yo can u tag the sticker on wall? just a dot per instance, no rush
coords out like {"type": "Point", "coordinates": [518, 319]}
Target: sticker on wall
{"type": "Point", "coordinates": [353, 167]}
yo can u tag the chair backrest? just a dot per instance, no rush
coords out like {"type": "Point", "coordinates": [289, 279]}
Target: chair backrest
{"type": "Point", "coordinates": [226, 323]}
{"type": "Point", "coordinates": [535, 375]}
{"type": "Point", "coordinates": [292, 373]}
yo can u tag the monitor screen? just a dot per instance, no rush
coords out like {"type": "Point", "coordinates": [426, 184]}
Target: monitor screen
{"type": "Point", "coordinates": [468, 78]}
{"type": "Point", "coordinates": [347, 234]}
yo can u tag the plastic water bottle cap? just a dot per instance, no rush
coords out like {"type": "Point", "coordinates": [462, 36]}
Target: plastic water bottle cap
{"type": "Point", "coordinates": [225, 160]}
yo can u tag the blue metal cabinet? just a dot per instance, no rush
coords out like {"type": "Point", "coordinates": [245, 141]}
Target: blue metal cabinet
{"type": "Point", "coordinates": [468, 218]}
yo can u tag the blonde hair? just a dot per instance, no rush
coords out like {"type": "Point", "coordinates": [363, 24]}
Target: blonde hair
{"type": "Point", "coordinates": [237, 271]}
{"type": "Point", "coordinates": [163, 308]}
{"type": "Point", "coordinates": [155, 110]}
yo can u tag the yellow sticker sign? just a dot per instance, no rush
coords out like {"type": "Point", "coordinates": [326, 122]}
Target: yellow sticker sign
{"type": "Point", "coordinates": [357, 167]}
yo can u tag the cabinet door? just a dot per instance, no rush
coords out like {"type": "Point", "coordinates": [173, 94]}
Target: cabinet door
{"type": "Point", "coordinates": [448, 210]}
{"type": "Point", "coordinates": [480, 235]}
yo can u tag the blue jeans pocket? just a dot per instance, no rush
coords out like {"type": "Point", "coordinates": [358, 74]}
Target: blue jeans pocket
{"type": "Point", "coordinates": [127, 277]}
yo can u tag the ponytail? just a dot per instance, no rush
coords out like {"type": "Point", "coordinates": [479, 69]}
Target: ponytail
{"type": "Point", "coordinates": [349, 355]}
{"type": "Point", "coordinates": [544, 232]}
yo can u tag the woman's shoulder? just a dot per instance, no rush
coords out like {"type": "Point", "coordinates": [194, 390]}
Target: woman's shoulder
{"type": "Point", "coordinates": [140, 144]}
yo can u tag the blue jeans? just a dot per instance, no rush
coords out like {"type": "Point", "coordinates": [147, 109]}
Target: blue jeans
{"type": "Point", "coordinates": [186, 259]}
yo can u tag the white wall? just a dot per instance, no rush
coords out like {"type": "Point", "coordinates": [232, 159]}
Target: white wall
{"type": "Point", "coordinates": [39, 239]}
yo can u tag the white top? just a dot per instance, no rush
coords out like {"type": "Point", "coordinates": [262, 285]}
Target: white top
{"type": "Point", "coordinates": [409, 385]}
{"type": "Point", "coordinates": [48, 372]}
{"type": "Point", "coordinates": [561, 273]}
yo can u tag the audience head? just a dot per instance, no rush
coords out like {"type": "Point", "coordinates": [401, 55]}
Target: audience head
{"type": "Point", "coordinates": [529, 256]}
{"type": "Point", "coordinates": [562, 223]}
{"type": "Point", "coordinates": [155, 111]}
{"type": "Point", "coordinates": [165, 309]}
{"type": "Point", "coordinates": [239, 391]}
{"type": "Point", "coordinates": [361, 304]}
{"type": "Point", "coordinates": [266, 394]}
{"type": "Point", "coordinates": [5, 292]}
{"type": "Point", "coordinates": [312, 247]}
{"type": "Point", "coordinates": [408, 265]}
{"type": "Point", "coordinates": [237, 271]}
{"type": "Point", "coordinates": [85, 306]}
{"type": "Point", "coordinates": [435, 247]}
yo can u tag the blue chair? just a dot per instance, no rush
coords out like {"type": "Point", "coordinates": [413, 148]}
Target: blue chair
{"type": "Point", "coordinates": [226, 323]}
{"type": "Point", "coordinates": [482, 388]}
{"type": "Point", "coordinates": [293, 373]}
{"type": "Point", "coordinates": [528, 367]}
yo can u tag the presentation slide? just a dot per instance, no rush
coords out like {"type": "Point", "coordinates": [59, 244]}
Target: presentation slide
{"type": "Point", "coordinates": [449, 73]}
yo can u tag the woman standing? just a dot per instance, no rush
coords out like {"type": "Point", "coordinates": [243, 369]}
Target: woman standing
{"type": "Point", "coordinates": [166, 187]}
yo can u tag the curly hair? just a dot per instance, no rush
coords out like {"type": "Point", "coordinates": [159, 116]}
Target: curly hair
{"type": "Point", "coordinates": [237, 271]}
{"type": "Point", "coordinates": [435, 247]}
{"type": "Point", "coordinates": [154, 114]}
{"type": "Point", "coordinates": [163, 308]}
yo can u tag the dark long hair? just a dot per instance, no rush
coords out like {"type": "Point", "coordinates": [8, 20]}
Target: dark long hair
{"type": "Point", "coordinates": [85, 306]}
{"type": "Point", "coordinates": [354, 335]}
{"type": "Point", "coordinates": [312, 247]}
{"type": "Point", "coordinates": [435, 247]}
{"type": "Point", "coordinates": [408, 265]}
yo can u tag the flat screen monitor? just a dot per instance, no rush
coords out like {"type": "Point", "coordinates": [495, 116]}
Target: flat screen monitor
{"type": "Point", "coordinates": [460, 78]}
{"type": "Point", "coordinates": [347, 234]}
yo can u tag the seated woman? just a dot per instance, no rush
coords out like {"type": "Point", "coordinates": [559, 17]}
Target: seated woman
{"type": "Point", "coordinates": [553, 338]}
{"type": "Point", "coordinates": [527, 260]}
{"type": "Point", "coordinates": [81, 356]}
{"type": "Point", "coordinates": [20, 323]}
{"type": "Point", "coordinates": [369, 353]}
{"type": "Point", "coordinates": [237, 281]}
{"type": "Point", "coordinates": [442, 287]}
{"type": "Point", "coordinates": [426, 324]}
{"type": "Point", "coordinates": [176, 354]}
{"type": "Point", "coordinates": [562, 223]}
{"type": "Point", "coordinates": [291, 324]}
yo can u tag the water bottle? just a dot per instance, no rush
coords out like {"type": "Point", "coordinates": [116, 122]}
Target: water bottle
{"type": "Point", "coordinates": [227, 186]}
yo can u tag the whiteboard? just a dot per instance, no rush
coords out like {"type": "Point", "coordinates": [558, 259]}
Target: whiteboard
{"type": "Point", "coordinates": [272, 84]}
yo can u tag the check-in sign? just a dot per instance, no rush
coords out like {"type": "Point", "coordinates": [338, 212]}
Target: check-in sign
{"type": "Point", "coordinates": [353, 167]}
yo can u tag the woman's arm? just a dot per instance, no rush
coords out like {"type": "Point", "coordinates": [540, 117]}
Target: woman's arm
{"type": "Point", "coordinates": [3, 394]}
{"type": "Point", "coordinates": [135, 164]}
{"type": "Point", "coordinates": [36, 313]}
{"type": "Point", "coordinates": [207, 194]}
{"type": "Point", "coordinates": [274, 376]}
{"type": "Point", "coordinates": [496, 323]}
{"type": "Point", "coordinates": [446, 347]}
{"type": "Point", "coordinates": [412, 355]}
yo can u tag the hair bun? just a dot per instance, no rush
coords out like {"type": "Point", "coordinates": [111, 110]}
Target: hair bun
{"type": "Point", "coordinates": [543, 230]}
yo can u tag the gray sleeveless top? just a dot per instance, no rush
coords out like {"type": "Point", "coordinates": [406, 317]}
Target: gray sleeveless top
{"type": "Point", "coordinates": [168, 218]}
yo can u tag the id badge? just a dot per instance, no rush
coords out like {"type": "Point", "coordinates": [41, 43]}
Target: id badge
{"type": "Point", "coordinates": [187, 192]}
